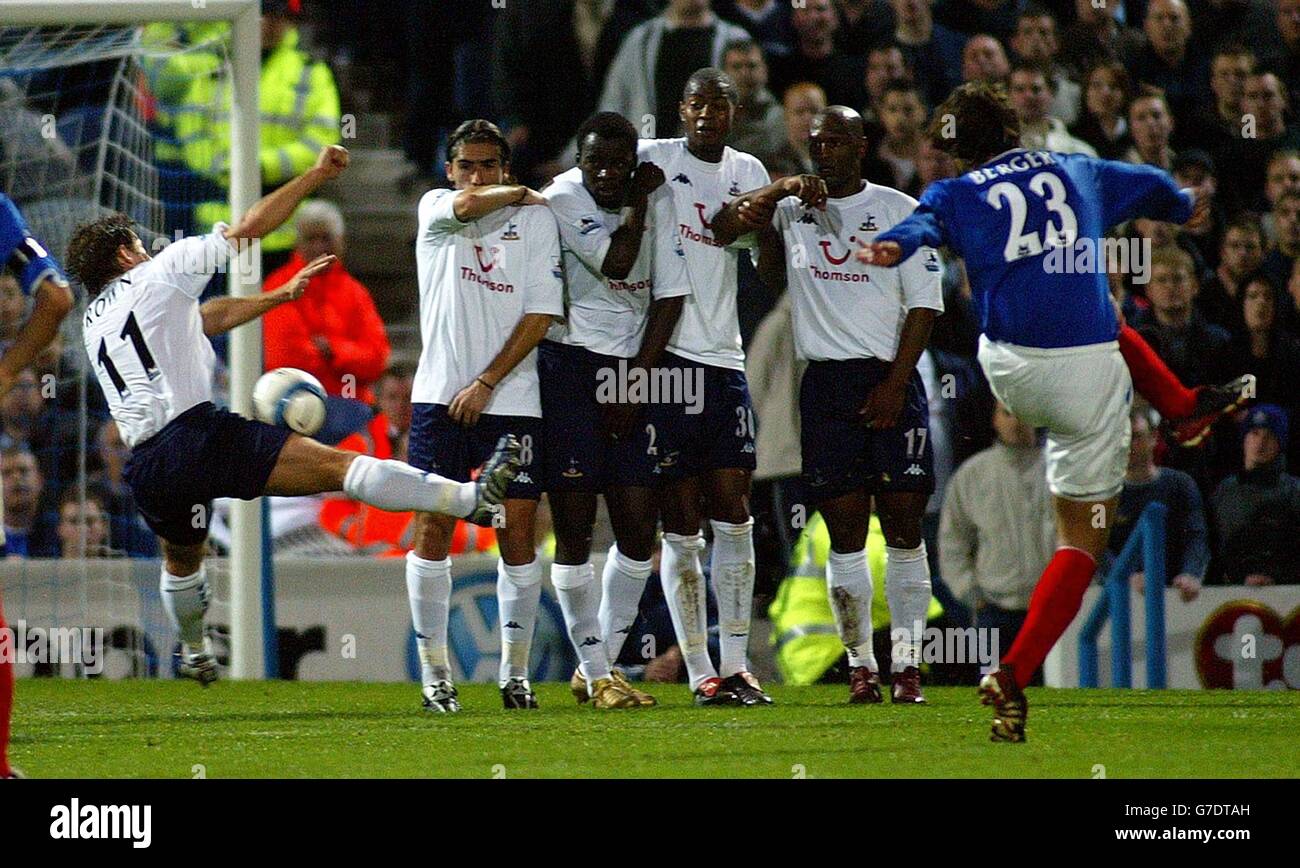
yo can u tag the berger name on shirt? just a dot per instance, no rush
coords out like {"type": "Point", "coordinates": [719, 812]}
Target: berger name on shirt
{"type": "Point", "coordinates": [1019, 163]}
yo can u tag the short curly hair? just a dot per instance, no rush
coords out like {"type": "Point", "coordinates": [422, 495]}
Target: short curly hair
{"type": "Point", "coordinates": [92, 252]}
{"type": "Point", "coordinates": [975, 123]}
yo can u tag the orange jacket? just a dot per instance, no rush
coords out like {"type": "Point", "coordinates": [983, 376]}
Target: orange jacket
{"type": "Point", "coordinates": [337, 307]}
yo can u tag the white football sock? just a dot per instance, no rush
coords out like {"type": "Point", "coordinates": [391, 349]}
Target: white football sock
{"type": "Point", "coordinates": [731, 566]}
{"type": "Point", "coordinates": [185, 599]}
{"type": "Point", "coordinates": [519, 592]}
{"type": "Point", "coordinates": [622, 584]}
{"type": "Point", "coordinates": [579, 596]}
{"type": "Point", "coordinates": [683, 581]}
{"type": "Point", "coordinates": [848, 581]}
{"type": "Point", "coordinates": [398, 487]}
{"type": "Point", "coordinates": [428, 589]}
{"type": "Point", "coordinates": [907, 585]}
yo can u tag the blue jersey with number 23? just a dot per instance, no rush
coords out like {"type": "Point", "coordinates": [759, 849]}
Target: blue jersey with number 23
{"type": "Point", "coordinates": [1005, 218]}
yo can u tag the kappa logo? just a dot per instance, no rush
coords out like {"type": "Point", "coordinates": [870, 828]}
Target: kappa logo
{"type": "Point", "coordinates": [524, 478]}
{"type": "Point", "coordinates": [914, 470]}
{"type": "Point", "coordinates": [513, 625]}
{"type": "Point", "coordinates": [809, 218]}
{"type": "Point", "coordinates": [588, 642]}
{"type": "Point", "coordinates": [572, 472]}
{"type": "Point", "coordinates": [680, 178]}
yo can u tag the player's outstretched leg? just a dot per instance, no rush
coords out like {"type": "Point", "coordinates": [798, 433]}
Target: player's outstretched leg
{"type": "Point", "coordinates": [6, 695]}
{"type": "Point", "coordinates": [185, 596]}
{"type": "Point", "coordinates": [307, 467]}
{"type": "Point", "coordinates": [907, 586]}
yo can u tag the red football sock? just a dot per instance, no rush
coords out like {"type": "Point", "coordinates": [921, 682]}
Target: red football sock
{"type": "Point", "coordinates": [1152, 377]}
{"type": "Point", "coordinates": [1052, 607]}
{"type": "Point", "coordinates": [7, 652]}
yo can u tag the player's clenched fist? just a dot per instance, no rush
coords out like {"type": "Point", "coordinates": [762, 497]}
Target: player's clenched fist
{"type": "Point", "coordinates": [810, 189]}
{"type": "Point", "coordinates": [332, 160]}
{"type": "Point", "coordinates": [646, 179]}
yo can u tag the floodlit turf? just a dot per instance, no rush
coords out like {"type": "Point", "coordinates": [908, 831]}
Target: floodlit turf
{"type": "Point", "coordinates": [296, 729]}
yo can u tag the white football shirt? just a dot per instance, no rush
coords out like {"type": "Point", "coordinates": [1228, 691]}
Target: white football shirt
{"type": "Point", "coordinates": [609, 316]}
{"type": "Point", "coordinates": [476, 281]}
{"type": "Point", "coordinates": [843, 309]}
{"type": "Point", "coordinates": [144, 335]}
{"type": "Point", "coordinates": [708, 331]}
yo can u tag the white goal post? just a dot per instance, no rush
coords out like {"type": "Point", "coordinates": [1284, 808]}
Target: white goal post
{"type": "Point", "coordinates": [246, 643]}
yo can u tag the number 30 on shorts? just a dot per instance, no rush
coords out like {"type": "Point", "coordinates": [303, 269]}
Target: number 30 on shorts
{"type": "Point", "coordinates": [745, 422]}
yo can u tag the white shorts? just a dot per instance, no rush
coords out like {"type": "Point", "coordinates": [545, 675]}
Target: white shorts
{"type": "Point", "coordinates": [1081, 395]}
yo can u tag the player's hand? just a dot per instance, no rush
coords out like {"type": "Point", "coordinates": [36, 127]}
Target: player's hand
{"type": "Point", "coordinates": [884, 405]}
{"type": "Point", "coordinates": [810, 189]}
{"type": "Point", "coordinates": [468, 404]}
{"type": "Point", "coordinates": [1257, 580]}
{"type": "Point", "coordinates": [755, 212]}
{"type": "Point", "coordinates": [883, 253]}
{"type": "Point", "coordinates": [1189, 587]}
{"type": "Point", "coordinates": [646, 179]}
{"type": "Point", "coordinates": [1201, 209]}
{"type": "Point", "coordinates": [293, 290]}
{"type": "Point", "coordinates": [332, 160]}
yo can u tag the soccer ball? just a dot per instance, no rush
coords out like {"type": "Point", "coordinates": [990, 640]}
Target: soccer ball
{"type": "Point", "coordinates": [290, 398]}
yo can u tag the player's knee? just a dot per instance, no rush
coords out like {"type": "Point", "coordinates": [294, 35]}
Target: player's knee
{"type": "Point", "coordinates": [182, 560]}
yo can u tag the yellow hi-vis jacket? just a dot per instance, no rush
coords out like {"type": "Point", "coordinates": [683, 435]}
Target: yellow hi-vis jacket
{"type": "Point", "coordinates": [300, 115]}
{"type": "Point", "coordinates": [177, 55]}
{"type": "Point", "coordinates": [803, 625]}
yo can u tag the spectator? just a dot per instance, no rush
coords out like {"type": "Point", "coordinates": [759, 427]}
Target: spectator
{"type": "Point", "coordinates": [1265, 131]}
{"type": "Point", "coordinates": [1192, 347]}
{"type": "Point", "coordinates": [1215, 125]}
{"type": "Point", "coordinates": [1166, 62]}
{"type": "Point", "coordinates": [333, 331]}
{"type": "Point", "coordinates": [1289, 316]}
{"type": "Point", "coordinates": [902, 114]}
{"type": "Point", "coordinates": [1193, 168]}
{"type": "Point", "coordinates": [1256, 512]}
{"type": "Point", "coordinates": [1279, 261]}
{"type": "Point", "coordinates": [1264, 348]}
{"type": "Point", "coordinates": [656, 58]}
{"type": "Point", "coordinates": [1151, 125]}
{"type": "Point", "coordinates": [20, 409]}
{"type": "Point", "coordinates": [300, 115]}
{"type": "Point", "coordinates": [1187, 547]}
{"type": "Point", "coordinates": [1103, 123]}
{"type": "Point", "coordinates": [930, 49]}
{"type": "Point", "coordinates": [996, 17]}
{"type": "Point", "coordinates": [1240, 252]}
{"type": "Point", "coordinates": [83, 524]}
{"type": "Point", "coordinates": [27, 531]}
{"type": "Point", "coordinates": [394, 402]}
{"type": "Point", "coordinates": [1031, 97]}
{"type": "Point", "coordinates": [1283, 176]}
{"type": "Point", "coordinates": [816, 59]}
{"type": "Point", "coordinates": [126, 527]}
{"type": "Point", "coordinates": [861, 24]}
{"type": "Point", "coordinates": [984, 59]}
{"type": "Point", "coordinates": [1035, 41]}
{"type": "Point", "coordinates": [1285, 56]}
{"type": "Point", "coordinates": [759, 124]}
{"type": "Point", "coordinates": [1097, 36]}
{"type": "Point", "coordinates": [997, 530]}
{"type": "Point", "coordinates": [885, 63]}
{"type": "Point", "coordinates": [768, 21]}
{"type": "Point", "coordinates": [803, 101]}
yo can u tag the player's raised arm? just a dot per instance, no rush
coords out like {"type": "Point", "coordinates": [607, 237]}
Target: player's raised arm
{"type": "Point", "coordinates": [625, 241]}
{"type": "Point", "coordinates": [273, 209]}
{"type": "Point", "coordinates": [752, 211]}
{"type": "Point", "coordinates": [1130, 190]}
{"type": "Point", "coordinates": [40, 276]}
{"type": "Point", "coordinates": [220, 315]}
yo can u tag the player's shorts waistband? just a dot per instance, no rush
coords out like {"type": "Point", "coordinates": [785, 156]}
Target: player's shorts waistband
{"type": "Point", "coordinates": [1053, 352]}
{"type": "Point", "coordinates": [202, 408]}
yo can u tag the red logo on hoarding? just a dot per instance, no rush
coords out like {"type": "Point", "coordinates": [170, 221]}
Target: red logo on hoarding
{"type": "Point", "coordinates": [1246, 645]}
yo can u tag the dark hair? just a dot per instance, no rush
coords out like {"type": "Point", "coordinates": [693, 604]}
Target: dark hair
{"type": "Point", "coordinates": [887, 45]}
{"type": "Point", "coordinates": [1246, 222]}
{"type": "Point", "coordinates": [1034, 10]}
{"type": "Point", "coordinates": [712, 75]}
{"type": "Point", "coordinates": [477, 131]}
{"type": "Point", "coordinates": [902, 85]}
{"type": "Point", "coordinates": [1235, 49]}
{"type": "Point", "coordinates": [745, 45]}
{"type": "Point", "coordinates": [1150, 91]}
{"type": "Point", "coordinates": [609, 127]}
{"type": "Point", "coordinates": [72, 494]}
{"type": "Point", "coordinates": [92, 252]}
{"type": "Point", "coordinates": [983, 123]}
{"type": "Point", "coordinates": [1034, 67]}
{"type": "Point", "coordinates": [1122, 79]}
{"type": "Point", "coordinates": [1275, 294]}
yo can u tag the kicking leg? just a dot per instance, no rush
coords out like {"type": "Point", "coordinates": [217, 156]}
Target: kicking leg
{"type": "Point", "coordinates": [907, 586]}
{"type": "Point", "coordinates": [849, 585]}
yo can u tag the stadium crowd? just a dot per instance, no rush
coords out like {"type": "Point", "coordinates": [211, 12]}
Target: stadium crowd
{"type": "Point", "coordinates": [1202, 88]}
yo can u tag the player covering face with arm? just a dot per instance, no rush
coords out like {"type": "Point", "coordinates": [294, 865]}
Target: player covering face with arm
{"type": "Point", "coordinates": [863, 404]}
{"type": "Point", "coordinates": [146, 335]}
{"type": "Point", "coordinates": [39, 276]}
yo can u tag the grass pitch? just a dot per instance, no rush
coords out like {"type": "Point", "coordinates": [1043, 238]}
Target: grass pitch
{"type": "Point", "coordinates": [166, 729]}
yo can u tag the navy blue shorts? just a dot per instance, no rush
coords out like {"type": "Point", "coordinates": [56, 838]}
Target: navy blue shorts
{"type": "Point", "coordinates": [580, 455]}
{"type": "Point", "coordinates": [840, 453]}
{"type": "Point", "coordinates": [202, 454]}
{"type": "Point", "coordinates": [439, 445]}
{"type": "Point", "coordinates": [709, 426]}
